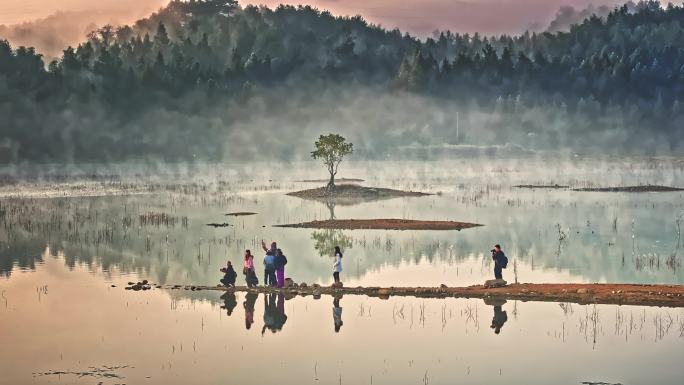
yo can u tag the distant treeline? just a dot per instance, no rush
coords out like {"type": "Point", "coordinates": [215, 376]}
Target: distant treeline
{"type": "Point", "coordinates": [176, 85]}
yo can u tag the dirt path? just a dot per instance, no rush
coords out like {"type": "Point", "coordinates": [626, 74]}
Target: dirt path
{"type": "Point", "coordinates": [621, 294]}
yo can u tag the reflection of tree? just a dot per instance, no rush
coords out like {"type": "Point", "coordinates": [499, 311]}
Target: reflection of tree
{"type": "Point", "coordinates": [326, 240]}
{"type": "Point", "coordinates": [331, 206]}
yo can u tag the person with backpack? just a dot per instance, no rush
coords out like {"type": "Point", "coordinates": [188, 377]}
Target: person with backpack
{"type": "Point", "coordinates": [500, 261]}
{"type": "Point", "coordinates": [229, 275]}
{"type": "Point", "coordinates": [280, 262]}
{"type": "Point", "coordinates": [269, 269]}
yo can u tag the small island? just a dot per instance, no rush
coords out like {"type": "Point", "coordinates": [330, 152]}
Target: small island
{"type": "Point", "coordinates": [331, 150]}
{"type": "Point", "coordinates": [354, 191]}
{"type": "Point", "coordinates": [643, 188]}
{"type": "Point", "coordinates": [382, 224]}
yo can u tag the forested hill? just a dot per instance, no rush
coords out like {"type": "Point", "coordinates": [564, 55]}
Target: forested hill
{"type": "Point", "coordinates": [212, 80]}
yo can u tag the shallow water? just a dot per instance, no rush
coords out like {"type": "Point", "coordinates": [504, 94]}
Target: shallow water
{"type": "Point", "coordinates": [63, 244]}
{"type": "Point", "coordinates": [60, 320]}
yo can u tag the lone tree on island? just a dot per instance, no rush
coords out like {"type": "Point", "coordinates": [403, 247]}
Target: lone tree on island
{"type": "Point", "coordinates": [332, 148]}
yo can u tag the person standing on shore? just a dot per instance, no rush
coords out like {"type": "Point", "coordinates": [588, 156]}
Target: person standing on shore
{"type": "Point", "coordinates": [248, 270]}
{"type": "Point", "coordinates": [500, 261]}
{"type": "Point", "coordinates": [280, 262]}
{"type": "Point", "coordinates": [337, 266]}
{"type": "Point", "coordinates": [269, 269]}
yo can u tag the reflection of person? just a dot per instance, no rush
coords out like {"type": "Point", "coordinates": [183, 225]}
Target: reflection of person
{"type": "Point", "coordinates": [229, 275]}
{"type": "Point", "coordinates": [337, 314]}
{"type": "Point", "coordinates": [250, 300]}
{"type": "Point", "coordinates": [500, 318]}
{"type": "Point", "coordinates": [274, 313]}
{"type": "Point", "coordinates": [229, 302]}
{"type": "Point", "coordinates": [337, 266]}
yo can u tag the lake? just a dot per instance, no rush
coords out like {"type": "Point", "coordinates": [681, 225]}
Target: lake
{"type": "Point", "coordinates": [71, 239]}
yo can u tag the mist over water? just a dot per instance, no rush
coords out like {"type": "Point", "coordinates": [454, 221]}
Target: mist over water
{"type": "Point", "coordinates": [126, 159]}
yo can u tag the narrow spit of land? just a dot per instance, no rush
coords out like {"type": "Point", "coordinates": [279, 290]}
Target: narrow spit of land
{"type": "Point", "coordinates": [620, 294]}
{"type": "Point", "coordinates": [542, 186]}
{"type": "Point", "coordinates": [644, 188]}
{"type": "Point", "coordinates": [338, 180]}
{"type": "Point", "coordinates": [382, 224]}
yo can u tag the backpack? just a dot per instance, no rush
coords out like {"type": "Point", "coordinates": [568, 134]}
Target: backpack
{"type": "Point", "coordinates": [503, 261]}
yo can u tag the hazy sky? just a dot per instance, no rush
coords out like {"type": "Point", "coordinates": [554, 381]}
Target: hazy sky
{"type": "Point", "coordinates": [416, 16]}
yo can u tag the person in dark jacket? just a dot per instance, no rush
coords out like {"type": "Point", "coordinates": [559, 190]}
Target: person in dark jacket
{"type": "Point", "coordinates": [498, 256]}
{"type": "Point", "coordinates": [280, 262]}
{"type": "Point", "coordinates": [229, 275]}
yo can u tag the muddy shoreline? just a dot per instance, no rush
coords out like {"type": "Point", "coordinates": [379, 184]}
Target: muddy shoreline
{"type": "Point", "coordinates": [617, 294]}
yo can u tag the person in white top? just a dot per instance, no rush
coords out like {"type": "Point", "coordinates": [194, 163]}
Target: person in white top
{"type": "Point", "coordinates": [337, 267]}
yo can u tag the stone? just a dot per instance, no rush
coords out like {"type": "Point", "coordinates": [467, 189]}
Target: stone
{"type": "Point", "coordinates": [494, 283]}
{"type": "Point", "coordinates": [144, 282]}
{"type": "Point", "coordinates": [337, 285]}
{"type": "Point", "coordinates": [443, 286]}
{"type": "Point", "coordinates": [384, 293]}
{"type": "Point", "coordinates": [315, 285]}
{"type": "Point", "coordinates": [303, 285]}
{"type": "Point", "coordinates": [582, 291]}
{"type": "Point", "coordinates": [289, 282]}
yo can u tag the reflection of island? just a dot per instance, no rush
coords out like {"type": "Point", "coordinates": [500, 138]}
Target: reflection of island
{"type": "Point", "coordinates": [500, 316]}
{"type": "Point", "coordinates": [274, 312]}
{"type": "Point", "coordinates": [326, 240]}
{"type": "Point", "coordinates": [229, 302]}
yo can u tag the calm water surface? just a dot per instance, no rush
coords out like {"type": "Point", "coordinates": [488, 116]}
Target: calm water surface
{"type": "Point", "coordinates": [64, 245]}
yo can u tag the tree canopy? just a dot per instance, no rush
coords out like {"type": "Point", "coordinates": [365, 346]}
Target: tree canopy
{"type": "Point", "coordinates": [182, 82]}
{"type": "Point", "coordinates": [332, 149]}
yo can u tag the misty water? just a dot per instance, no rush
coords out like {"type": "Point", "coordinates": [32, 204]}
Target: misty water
{"type": "Point", "coordinates": [70, 243]}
